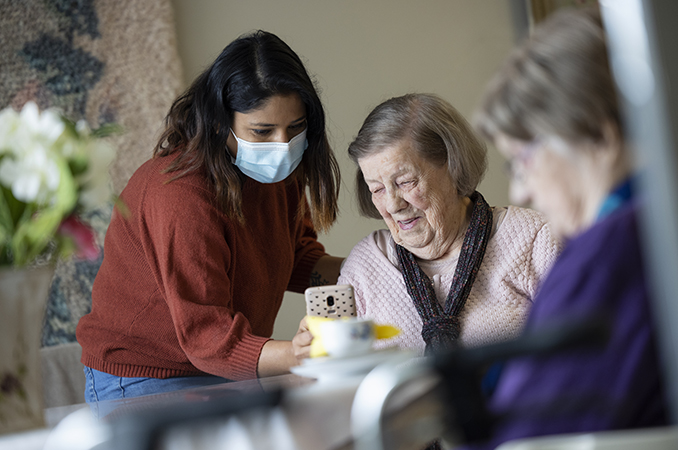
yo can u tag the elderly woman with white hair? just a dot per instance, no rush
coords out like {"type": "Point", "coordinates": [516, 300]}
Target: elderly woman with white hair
{"type": "Point", "coordinates": [449, 270]}
{"type": "Point", "coordinates": [552, 112]}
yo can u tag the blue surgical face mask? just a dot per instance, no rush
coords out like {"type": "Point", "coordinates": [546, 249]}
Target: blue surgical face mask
{"type": "Point", "coordinates": [270, 162]}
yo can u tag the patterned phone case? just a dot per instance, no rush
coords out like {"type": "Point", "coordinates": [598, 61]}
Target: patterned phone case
{"type": "Point", "coordinates": [330, 301]}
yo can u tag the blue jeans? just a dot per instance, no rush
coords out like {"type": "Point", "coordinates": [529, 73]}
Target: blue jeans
{"type": "Point", "coordinates": [101, 386]}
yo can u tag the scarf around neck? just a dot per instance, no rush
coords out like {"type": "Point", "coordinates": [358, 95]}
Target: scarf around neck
{"type": "Point", "coordinates": [441, 327]}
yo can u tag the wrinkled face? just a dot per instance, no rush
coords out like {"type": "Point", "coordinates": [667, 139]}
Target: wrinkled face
{"type": "Point", "coordinates": [281, 118]}
{"type": "Point", "coordinates": [546, 175]}
{"type": "Point", "coordinates": [417, 199]}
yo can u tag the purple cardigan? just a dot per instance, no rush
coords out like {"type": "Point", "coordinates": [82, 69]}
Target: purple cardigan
{"type": "Point", "coordinates": [616, 387]}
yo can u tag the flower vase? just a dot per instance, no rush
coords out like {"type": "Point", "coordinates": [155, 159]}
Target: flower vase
{"type": "Point", "coordinates": [23, 299]}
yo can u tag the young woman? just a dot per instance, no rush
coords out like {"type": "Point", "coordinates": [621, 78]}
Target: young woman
{"type": "Point", "coordinates": [217, 227]}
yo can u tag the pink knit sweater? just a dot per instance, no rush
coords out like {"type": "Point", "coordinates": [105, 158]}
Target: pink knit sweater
{"type": "Point", "coordinates": [518, 256]}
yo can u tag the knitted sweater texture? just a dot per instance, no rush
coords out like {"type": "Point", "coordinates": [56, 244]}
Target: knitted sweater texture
{"type": "Point", "coordinates": [183, 290]}
{"type": "Point", "coordinates": [519, 254]}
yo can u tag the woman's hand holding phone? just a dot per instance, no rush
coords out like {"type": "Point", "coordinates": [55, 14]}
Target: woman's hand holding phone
{"type": "Point", "coordinates": [301, 342]}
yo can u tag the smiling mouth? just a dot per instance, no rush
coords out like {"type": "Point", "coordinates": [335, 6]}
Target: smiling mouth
{"type": "Point", "coordinates": [407, 224]}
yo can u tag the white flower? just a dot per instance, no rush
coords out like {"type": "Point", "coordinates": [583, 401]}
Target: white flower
{"type": "Point", "coordinates": [32, 178]}
{"type": "Point", "coordinates": [47, 126]}
{"type": "Point", "coordinates": [82, 127]}
{"type": "Point", "coordinates": [27, 139]}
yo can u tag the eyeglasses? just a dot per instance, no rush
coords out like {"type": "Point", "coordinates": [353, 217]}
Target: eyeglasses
{"type": "Point", "coordinates": [514, 168]}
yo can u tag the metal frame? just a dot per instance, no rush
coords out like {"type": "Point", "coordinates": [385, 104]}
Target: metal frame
{"type": "Point", "coordinates": [642, 36]}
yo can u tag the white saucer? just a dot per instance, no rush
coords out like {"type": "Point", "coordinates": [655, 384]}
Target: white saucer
{"type": "Point", "coordinates": [324, 368]}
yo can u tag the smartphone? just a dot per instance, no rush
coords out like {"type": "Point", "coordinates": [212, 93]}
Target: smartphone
{"type": "Point", "coordinates": [330, 301]}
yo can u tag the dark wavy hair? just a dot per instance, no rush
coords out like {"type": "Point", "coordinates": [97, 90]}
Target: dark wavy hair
{"type": "Point", "coordinates": [249, 71]}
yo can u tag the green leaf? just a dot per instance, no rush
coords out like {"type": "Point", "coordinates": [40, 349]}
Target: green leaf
{"type": "Point", "coordinates": [5, 256]}
{"type": "Point", "coordinates": [78, 165]}
{"type": "Point", "coordinates": [122, 207]}
{"type": "Point", "coordinates": [15, 207]}
{"type": "Point", "coordinates": [69, 129]}
{"type": "Point", "coordinates": [6, 222]}
{"type": "Point", "coordinates": [107, 129]}
{"type": "Point", "coordinates": [33, 236]}
{"type": "Point", "coordinates": [67, 192]}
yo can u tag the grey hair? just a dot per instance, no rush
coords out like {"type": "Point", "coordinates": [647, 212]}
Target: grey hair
{"type": "Point", "coordinates": [438, 133]}
{"type": "Point", "coordinates": [558, 82]}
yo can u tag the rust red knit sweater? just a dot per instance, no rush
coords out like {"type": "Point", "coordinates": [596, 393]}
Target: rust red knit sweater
{"type": "Point", "coordinates": [182, 289]}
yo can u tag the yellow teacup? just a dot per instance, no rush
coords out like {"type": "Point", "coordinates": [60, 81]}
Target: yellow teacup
{"type": "Point", "coordinates": [345, 336]}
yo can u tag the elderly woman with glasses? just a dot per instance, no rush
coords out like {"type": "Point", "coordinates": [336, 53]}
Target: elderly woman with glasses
{"type": "Point", "coordinates": [449, 270]}
{"type": "Point", "coordinates": [552, 111]}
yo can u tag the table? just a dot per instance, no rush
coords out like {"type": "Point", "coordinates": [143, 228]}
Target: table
{"type": "Point", "coordinates": [308, 414]}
